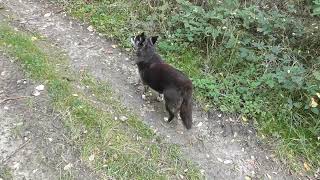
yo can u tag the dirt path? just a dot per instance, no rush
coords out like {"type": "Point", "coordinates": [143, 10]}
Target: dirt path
{"type": "Point", "coordinates": [223, 148]}
{"type": "Point", "coordinates": [33, 140]}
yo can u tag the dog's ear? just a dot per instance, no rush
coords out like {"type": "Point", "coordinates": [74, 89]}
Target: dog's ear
{"type": "Point", "coordinates": [153, 39]}
{"type": "Point", "coordinates": [142, 35]}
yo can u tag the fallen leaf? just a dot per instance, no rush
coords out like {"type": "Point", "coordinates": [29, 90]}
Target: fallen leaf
{"type": "Point", "coordinates": [306, 166]}
{"type": "Point", "coordinates": [90, 28]}
{"type": "Point", "coordinates": [244, 119]}
{"type": "Point", "coordinates": [313, 102]}
{"type": "Point", "coordinates": [33, 38]}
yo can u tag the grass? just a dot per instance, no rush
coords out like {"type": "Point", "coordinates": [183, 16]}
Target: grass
{"type": "Point", "coordinates": [119, 149]}
{"type": "Point", "coordinates": [223, 79]}
{"type": "Point", "coordinates": [5, 173]}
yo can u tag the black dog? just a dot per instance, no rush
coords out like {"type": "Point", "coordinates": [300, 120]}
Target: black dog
{"type": "Point", "coordinates": [165, 79]}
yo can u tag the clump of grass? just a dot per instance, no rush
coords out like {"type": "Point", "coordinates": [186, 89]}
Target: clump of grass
{"type": "Point", "coordinates": [5, 172]}
{"type": "Point", "coordinates": [125, 149]}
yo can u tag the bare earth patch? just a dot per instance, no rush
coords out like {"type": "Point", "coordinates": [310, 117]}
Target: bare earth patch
{"type": "Point", "coordinates": [221, 146]}
{"type": "Point", "coordinates": [33, 141]}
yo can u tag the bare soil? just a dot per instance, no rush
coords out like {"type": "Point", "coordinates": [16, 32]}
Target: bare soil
{"type": "Point", "coordinates": [34, 143]}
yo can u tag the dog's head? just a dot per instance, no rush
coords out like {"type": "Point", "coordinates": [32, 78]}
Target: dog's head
{"type": "Point", "coordinates": [144, 45]}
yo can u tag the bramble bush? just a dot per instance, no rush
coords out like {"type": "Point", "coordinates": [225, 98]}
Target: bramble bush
{"type": "Point", "coordinates": [258, 61]}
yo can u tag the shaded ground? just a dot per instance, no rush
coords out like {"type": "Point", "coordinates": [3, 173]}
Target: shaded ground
{"type": "Point", "coordinates": [33, 140]}
{"type": "Point", "coordinates": [221, 145]}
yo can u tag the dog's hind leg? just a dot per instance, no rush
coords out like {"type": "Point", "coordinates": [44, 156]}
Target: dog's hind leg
{"type": "Point", "coordinates": [173, 100]}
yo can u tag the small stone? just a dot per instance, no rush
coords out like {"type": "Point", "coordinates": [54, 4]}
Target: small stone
{"type": "Point", "coordinates": [40, 87]}
{"type": "Point", "coordinates": [202, 171]}
{"type": "Point", "coordinates": [90, 28]}
{"type": "Point", "coordinates": [36, 93]}
{"type": "Point", "coordinates": [16, 165]}
{"type": "Point", "coordinates": [235, 134]}
{"type": "Point", "coordinates": [247, 178]}
{"type": "Point", "coordinates": [268, 175]}
{"type": "Point", "coordinates": [220, 160]}
{"type": "Point", "coordinates": [114, 46]}
{"type": "Point", "coordinates": [75, 95]}
{"type": "Point", "coordinates": [6, 108]}
{"type": "Point", "coordinates": [165, 119]}
{"type": "Point", "coordinates": [123, 118]}
{"type": "Point", "coordinates": [219, 115]}
{"type": "Point", "coordinates": [3, 73]}
{"type": "Point", "coordinates": [115, 118]}
{"type": "Point", "coordinates": [200, 124]}
{"type": "Point", "coordinates": [91, 157]}
{"type": "Point", "coordinates": [47, 14]}
{"type": "Point", "coordinates": [227, 162]}
{"type": "Point", "coordinates": [67, 167]}
{"type": "Point", "coordinates": [143, 97]}
{"type": "Point", "coordinates": [50, 139]}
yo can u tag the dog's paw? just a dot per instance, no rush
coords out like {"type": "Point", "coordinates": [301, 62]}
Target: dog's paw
{"type": "Point", "coordinates": [143, 96]}
{"type": "Point", "coordinates": [160, 98]}
{"type": "Point", "coordinates": [166, 119]}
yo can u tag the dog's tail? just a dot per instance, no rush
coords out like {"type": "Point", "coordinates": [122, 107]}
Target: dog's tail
{"type": "Point", "coordinates": [186, 106]}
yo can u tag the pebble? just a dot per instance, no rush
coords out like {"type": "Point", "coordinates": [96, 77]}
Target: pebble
{"type": "Point", "coordinates": [227, 162]}
{"type": "Point", "coordinates": [40, 87]}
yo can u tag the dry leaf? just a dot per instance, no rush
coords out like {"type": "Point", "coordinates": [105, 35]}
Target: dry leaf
{"type": "Point", "coordinates": [306, 166]}
{"type": "Point", "coordinates": [33, 38]}
{"type": "Point", "coordinates": [313, 102]}
{"type": "Point", "coordinates": [90, 28]}
{"type": "Point", "coordinates": [244, 119]}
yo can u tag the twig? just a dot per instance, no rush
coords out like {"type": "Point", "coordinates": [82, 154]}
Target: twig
{"type": "Point", "coordinates": [12, 154]}
{"type": "Point", "coordinates": [12, 98]}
